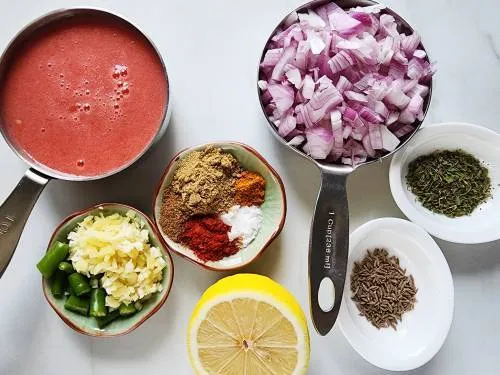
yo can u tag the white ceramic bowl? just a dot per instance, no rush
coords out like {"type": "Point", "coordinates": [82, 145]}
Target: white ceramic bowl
{"type": "Point", "coordinates": [484, 223]}
{"type": "Point", "coordinates": [422, 331]}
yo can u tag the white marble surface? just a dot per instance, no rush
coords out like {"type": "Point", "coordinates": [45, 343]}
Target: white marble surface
{"type": "Point", "coordinates": [212, 48]}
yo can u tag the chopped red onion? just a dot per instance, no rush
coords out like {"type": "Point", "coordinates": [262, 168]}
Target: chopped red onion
{"type": "Point", "coordinates": [381, 78]}
{"type": "Point", "coordinates": [403, 130]}
{"type": "Point", "coordinates": [368, 146]}
{"type": "Point", "coordinates": [297, 140]}
{"type": "Point", "coordinates": [287, 124]}
{"type": "Point", "coordinates": [341, 61]}
{"type": "Point", "coordinates": [392, 118]}
{"type": "Point", "coordinates": [375, 136]}
{"type": "Point", "coordinates": [389, 140]}
{"type": "Point", "coordinates": [308, 86]}
{"type": "Point", "coordinates": [409, 43]}
{"type": "Point", "coordinates": [346, 132]}
{"type": "Point", "coordinates": [312, 20]}
{"type": "Point", "coordinates": [282, 97]}
{"type": "Point", "coordinates": [342, 85]}
{"type": "Point", "coordinates": [294, 77]}
{"type": "Point", "coordinates": [287, 56]}
{"type": "Point", "coordinates": [319, 142]}
{"type": "Point", "coordinates": [419, 54]}
{"type": "Point", "coordinates": [356, 96]}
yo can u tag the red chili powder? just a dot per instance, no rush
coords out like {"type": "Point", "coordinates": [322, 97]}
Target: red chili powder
{"type": "Point", "coordinates": [207, 237]}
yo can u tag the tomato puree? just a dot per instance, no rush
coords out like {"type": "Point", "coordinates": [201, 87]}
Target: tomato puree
{"type": "Point", "coordinates": [85, 96]}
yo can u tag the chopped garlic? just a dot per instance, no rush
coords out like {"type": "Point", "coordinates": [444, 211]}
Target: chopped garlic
{"type": "Point", "coordinates": [118, 247]}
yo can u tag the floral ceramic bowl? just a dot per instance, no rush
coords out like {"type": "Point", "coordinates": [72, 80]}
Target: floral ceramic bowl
{"type": "Point", "coordinates": [273, 208]}
{"type": "Point", "coordinates": [87, 325]}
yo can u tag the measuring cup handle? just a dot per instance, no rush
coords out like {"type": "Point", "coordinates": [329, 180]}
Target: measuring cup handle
{"type": "Point", "coordinates": [14, 213]}
{"type": "Point", "coordinates": [328, 250]}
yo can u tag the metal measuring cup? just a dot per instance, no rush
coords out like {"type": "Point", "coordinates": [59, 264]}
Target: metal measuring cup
{"type": "Point", "coordinates": [15, 210]}
{"type": "Point", "coordinates": [329, 239]}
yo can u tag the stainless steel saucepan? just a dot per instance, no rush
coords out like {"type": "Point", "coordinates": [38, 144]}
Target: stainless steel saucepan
{"type": "Point", "coordinates": [16, 209]}
{"type": "Point", "coordinates": [329, 239]}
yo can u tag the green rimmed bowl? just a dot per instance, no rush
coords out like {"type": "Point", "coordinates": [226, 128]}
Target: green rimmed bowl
{"type": "Point", "coordinates": [87, 325]}
{"type": "Point", "coordinates": [273, 208]}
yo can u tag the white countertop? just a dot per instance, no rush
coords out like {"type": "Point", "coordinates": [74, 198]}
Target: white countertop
{"type": "Point", "coordinates": [212, 50]}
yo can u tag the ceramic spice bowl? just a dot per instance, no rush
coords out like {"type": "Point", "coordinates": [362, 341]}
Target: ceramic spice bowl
{"type": "Point", "coordinates": [273, 208]}
{"type": "Point", "coordinates": [87, 325]}
{"type": "Point", "coordinates": [484, 144]}
{"type": "Point", "coordinates": [423, 330]}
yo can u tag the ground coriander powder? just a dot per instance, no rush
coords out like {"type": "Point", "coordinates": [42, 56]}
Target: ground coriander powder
{"type": "Point", "coordinates": [204, 181]}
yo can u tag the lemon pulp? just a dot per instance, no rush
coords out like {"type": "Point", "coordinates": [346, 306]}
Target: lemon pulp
{"type": "Point", "coordinates": [248, 325]}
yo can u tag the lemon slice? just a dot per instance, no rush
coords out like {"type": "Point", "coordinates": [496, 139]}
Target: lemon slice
{"type": "Point", "coordinates": [248, 325]}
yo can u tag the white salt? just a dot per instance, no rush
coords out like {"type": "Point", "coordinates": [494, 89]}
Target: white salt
{"type": "Point", "coordinates": [245, 223]}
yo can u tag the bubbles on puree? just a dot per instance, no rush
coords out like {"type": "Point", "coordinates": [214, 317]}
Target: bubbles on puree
{"type": "Point", "coordinates": [120, 70]}
{"type": "Point", "coordinates": [80, 163]}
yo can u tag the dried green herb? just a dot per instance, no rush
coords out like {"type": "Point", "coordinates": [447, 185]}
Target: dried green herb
{"type": "Point", "coordinates": [452, 183]}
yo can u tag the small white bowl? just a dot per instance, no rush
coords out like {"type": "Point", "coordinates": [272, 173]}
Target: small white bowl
{"type": "Point", "coordinates": [484, 223]}
{"type": "Point", "coordinates": [422, 331]}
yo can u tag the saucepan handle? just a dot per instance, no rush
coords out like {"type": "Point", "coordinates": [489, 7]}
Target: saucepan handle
{"type": "Point", "coordinates": [15, 211]}
{"type": "Point", "coordinates": [328, 251]}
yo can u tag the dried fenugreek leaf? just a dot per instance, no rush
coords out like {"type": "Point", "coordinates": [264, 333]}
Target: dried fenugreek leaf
{"type": "Point", "coordinates": [452, 183]}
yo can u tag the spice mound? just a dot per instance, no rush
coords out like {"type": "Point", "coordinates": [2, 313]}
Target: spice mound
{"type": "Point", "coordinates": [204, 181]}
{"type": "Point", "coordinates": [381, 289]}
{"type": "Point", "coordinates": [208, 235]}
{"type": "Point", "coordinates": [213, 205]}
{"type": "Point", "coordinates": [451, 183]}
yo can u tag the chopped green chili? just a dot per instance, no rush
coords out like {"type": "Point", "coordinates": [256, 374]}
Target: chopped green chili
{"type": "Point", "coordinates": [126, 310]}
{"type": "Point", "coordinates": [79, 284]}
{"type": "Point", "coordinates": [98, 302]}
{"type": "Point", "coordinates": [77, 305]}
{"type": "Point", "coordinates": [104, 321]}
{"type": "Point", "coordinates": [59, 282]}
{"type": "Point", "coordinates": [66, 267]}
{"type": "Point", "coordinates": [50, 261]}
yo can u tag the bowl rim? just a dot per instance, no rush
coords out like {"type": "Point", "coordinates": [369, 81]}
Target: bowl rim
{"type": "Point", "coordinates": [158, 305]}
{"type": "Point", "coordinates": [398, 190]}
{"type": "Point", "coordinates": [175, 159]}
{"type": "Point", "coordinates": [357, 235]}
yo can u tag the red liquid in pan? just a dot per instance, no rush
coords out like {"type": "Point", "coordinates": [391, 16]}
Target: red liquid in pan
{"type": "Point", "coordinates": [84, 97]}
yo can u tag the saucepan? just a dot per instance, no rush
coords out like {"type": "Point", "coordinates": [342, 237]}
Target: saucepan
{"type": "Point", "coordinates": [329, 238]}
{"type": "Point", "coordinates": [16, 209]}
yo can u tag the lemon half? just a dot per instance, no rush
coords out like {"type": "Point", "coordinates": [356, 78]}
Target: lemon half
{"type": "Point", "coordinates": [248, 325]}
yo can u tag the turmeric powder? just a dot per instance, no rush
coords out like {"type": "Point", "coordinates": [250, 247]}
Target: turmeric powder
{"type": "Point", "coordinates": [250, 189]}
